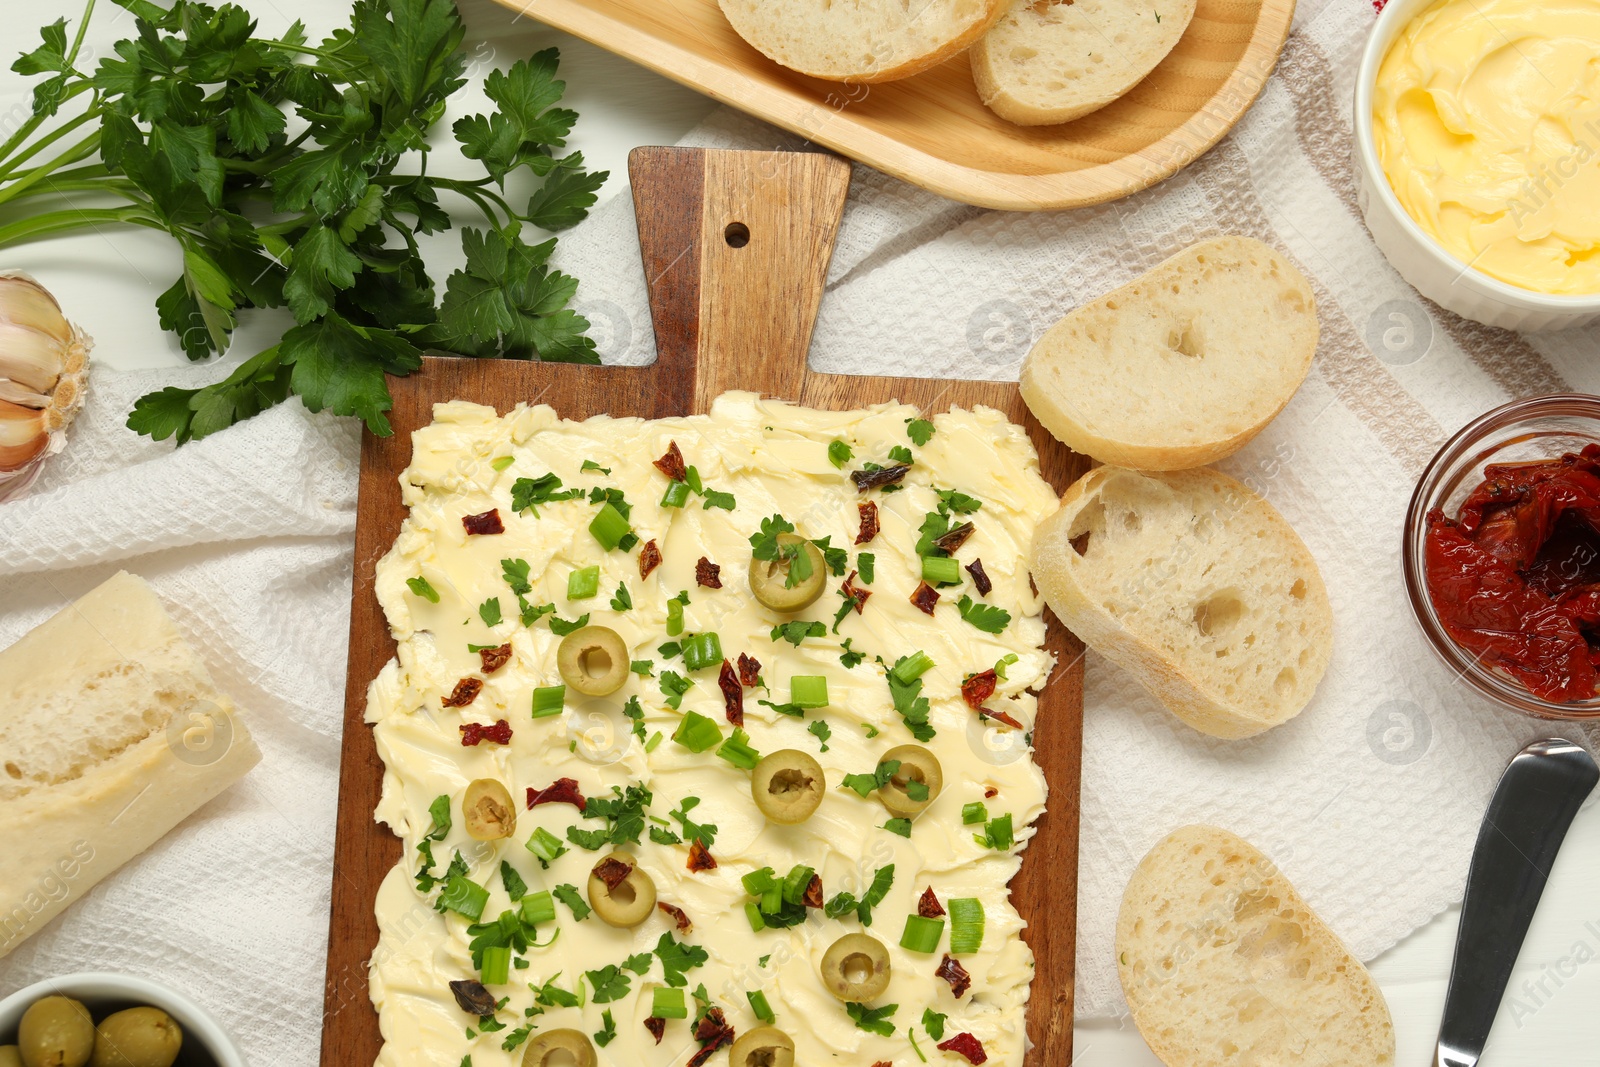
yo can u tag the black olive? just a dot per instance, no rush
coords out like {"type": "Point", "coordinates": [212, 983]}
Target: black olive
{"type": "Point", "coordinates": [473, 998]}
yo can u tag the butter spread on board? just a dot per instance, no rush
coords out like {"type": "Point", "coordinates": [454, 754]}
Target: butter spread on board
{"type": "Point", "coordinates": [450, 594]}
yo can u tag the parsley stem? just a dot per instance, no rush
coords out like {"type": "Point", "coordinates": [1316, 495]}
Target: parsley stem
{"type": "Point", "coordinates": [83, 27]}
{"type": "Point", "coordinates": [28, 128]}
{"type": "Point", "coordinates": [9, 169]}
{"type": "Point", "coordinates": [37, 226]}
{"type": "Point", "coordinates": [76, 154]}
{"type": "Point", "coordinates": [305, 50]}
{"type": "Point", "coordinates": [57, 185]}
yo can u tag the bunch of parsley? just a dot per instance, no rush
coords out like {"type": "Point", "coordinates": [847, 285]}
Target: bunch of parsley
{"type": "Point", "coordinates": [296, 174]}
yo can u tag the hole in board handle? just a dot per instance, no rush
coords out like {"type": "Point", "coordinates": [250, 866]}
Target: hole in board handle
{"type": "Point", "coordinates": [737, 235]}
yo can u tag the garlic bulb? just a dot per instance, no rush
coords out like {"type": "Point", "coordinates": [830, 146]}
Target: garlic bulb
{"type": "Point", "coordinates": [44, 366]}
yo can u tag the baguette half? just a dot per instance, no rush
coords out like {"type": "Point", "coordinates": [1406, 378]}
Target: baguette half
{"type": "Point", "coordinates": [1194, 585]}
{"type": "Point", "coordinates": [1049, 63]}
{"type": "Point", "coordinates": [861, 40]}
{"type": "Point", "coordinates": [1224, 964]}
{"type": "Point", "coordinates": [1182, 366]}
{"type": "Point", "coordinates": [111, 733]}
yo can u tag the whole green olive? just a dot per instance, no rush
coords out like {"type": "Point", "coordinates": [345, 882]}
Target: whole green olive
{"type": "Point", "coordinates": [9, 1056]}
{"type": "Point", "coordinates": [630, 900]}
{"type": "Point", "coordinates": [765, 1046]}
{"type": "Point", "coordinates": [769, 578]}
{"type": "Point", "coordinates": [488, 810]}
{"type": "Point", "coordinates": [917, 764]}
{"type": "Point", "coordinates": [137, 1037]}
{"type": "Point", "coordinates": [55, 1032]}
{"type": "Point", "coordinates": [856, 968]}
{"type": "Point", "coordinates": [559, 1048]}
{"type": "Point", "coordinates": [593, 660]}
{"type": "Point", "coordinates": [787, 785]}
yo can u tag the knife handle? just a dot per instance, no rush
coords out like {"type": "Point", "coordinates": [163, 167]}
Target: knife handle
{"type": "Point", "coordinates": [1522, 831]}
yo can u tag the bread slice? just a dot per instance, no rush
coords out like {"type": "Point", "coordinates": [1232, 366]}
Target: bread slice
{"type": "Point", "coordinates": [1194, 585]}
{"type": "Point", "coordinates": [1224, 964]}
{"type": "Point", "coordinates": [1182, 366]}
{"type": "Point", "coordinates": [1051, 62]}
{"type": "Point", "coordinates": [111, 733]}
{"type": "Point", "coordinates": [861, 40]}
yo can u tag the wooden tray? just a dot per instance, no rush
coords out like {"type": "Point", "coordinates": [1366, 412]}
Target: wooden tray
{"type": "Point", "coordinates": [932, 131]}
{"type": "Point", "coordinates": [726, 317]}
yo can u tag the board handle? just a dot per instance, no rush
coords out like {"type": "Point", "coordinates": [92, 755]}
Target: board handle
{"type": "Point", "coordinates": [736, 247]}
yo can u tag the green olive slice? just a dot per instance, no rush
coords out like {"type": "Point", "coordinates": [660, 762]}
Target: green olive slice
{"type": "Point", "coordinates": [917, 764]}
{"type": "Point", "coordinates": [559, 1048]}
{"type": "Point", "coordinates": [488, 810]}
{"type": "Point", "coordinates": [55, 1032]}
{"type": "Point", "coordinates": [856, 968]}
{"type": "Point", "coordinates": [593, 660]}
{"type": "Point", "coordinates": [787, 785]}
{"type": "Point", "coordinates": [630, 901]}
{"type": "Point", "coordinates": [769, 579]}
{"type": "Point", "coordinates": [765, 1046]}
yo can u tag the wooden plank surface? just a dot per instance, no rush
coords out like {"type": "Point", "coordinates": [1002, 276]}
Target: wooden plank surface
{"type": "Point", "coordinates": [727, 315]}
{"type": "Point", "coordinates": [932, 130]}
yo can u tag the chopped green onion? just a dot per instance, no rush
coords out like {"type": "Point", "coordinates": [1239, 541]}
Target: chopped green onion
{"type": "Point", "coordinates": [609, 527]}
{"type": "Point", "coordinates": [674, 617]}
{"type": "Point", "coordinates": [496, 969]}
{"type": "Point", "coordinates": [655, 740]}
{"type": "Point", "coordinates": [696, 732]}
{"type": "Point", "coordinates": [503, 462]}
{"type": "Point", "coordinates": [796, 883]}
{"type": "Point", "coordinates": [997, 833]}
{"type": "Point", "coordinates": [702, 651]}
{"type": "Point", "coordinates": [922, 934]}
{"type": "Point", "coordinates": [941, 570]}
{"type": "Point", "coordinates": [548, 700]}
{"type": "Point", "coordinates": [421, 586]}
{"type": "Point", "coordinates": [915, 666]}
{"type": "Point", "coordinates": [668, 1003]}
{"type": "Point", "coordinates": [538, 907]}
{"type": "Point", "coordinates": [676, 496]}
{"type": "Point", "coordinates": [583, 584]}
{"type": "Point", "coordinates": [758, 882]}
{"type": "Point", "coordinates": [737, 751]}
{"type": "Point", "coordinates": [546, 845]}
{"type": "Point", "coordinates": [1002, 663]}
{"type": "Point", "coordinates": [752, 911]}
{"type": "Point", "coordinates": [809, 690]}
{"type": "Point", "coordinates": [966, 924]}
{"type": "Point", "coordinates": [840, 453]}
{"type": "Point", "coordinates": [464, 897]}
{"type": "Point", "coordinates": [975, 812]}
{"type": "Point", "coordinates": [759, 1005]}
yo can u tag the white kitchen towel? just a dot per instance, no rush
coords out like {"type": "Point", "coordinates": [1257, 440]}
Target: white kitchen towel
{"type": "Point", "coordinates": [1369, 800]}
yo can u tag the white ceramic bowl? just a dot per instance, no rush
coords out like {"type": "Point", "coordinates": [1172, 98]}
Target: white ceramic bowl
{"type": "Point", "coordinates": [106, 993]}
{"type": "Point", "coordinates": [1434, 272]}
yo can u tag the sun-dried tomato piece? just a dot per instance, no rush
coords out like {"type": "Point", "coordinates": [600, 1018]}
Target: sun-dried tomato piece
{"type": "Point", "coordinates": [1000, 717]}
{"type": "Point", "coordinates": [487, 522]}
{"type": "Point", "coordinates": [925, 597]}
{"type": "Point", "coordinates": [990, 793]}
{"type": "Point", "coordinates": [877, 479]}
{"type": "Point", "coordinates": [612, 871]}
{"type": "Point", "coordinates": [955, 538]}
{"type": "Point", "coordinates": [473, 998]}
{"type": "Point", "coordinates": [712, 1023]}
{"type": "Point", "coordinates": [560, 791]}
{"type": "Point", "coordinates": [679, 917]}
{"type": "Point", "coordinates": [883, 1063]}
{"type": "Point", "coordinates": [714, 1031]}
{"type": "Point", "coordinates": [869, 521]}
{"type": "Point", "coordinates": [978, 688]}
{"type": "Point", "coordinates": [813, 894]}
{"type": "Point", "coordinates": [495, 658]}
{"type": "Point", "coordinates": [928, 906]}
{"type": "Point", "coordinates": [708, 574]}
{"type": "Point", "coordinates": [472, 733]}
{"type": "Point", "coordinates": [980, 578]}
{"type": "Point", "coordinates": [657, 1027]}
{"type": "Point", "coordinates": [465, 692]}
{"type": "Point", "coordinates": [965, 1044]}
{"type": "Point", "coordinates": [952, 971]}
{"type": "Point", "coordinates": [854, 593]}
{"type": "Point", "coordinates": [671, 464]}
{"type": "Point", "coordinates": [649, 558]}
{"type": "Point", "coordinates": [732, 694]}
{"type": "Point", "coordinates": [700, 858]}
{"type": "Point", "coordinates": [749, 671]}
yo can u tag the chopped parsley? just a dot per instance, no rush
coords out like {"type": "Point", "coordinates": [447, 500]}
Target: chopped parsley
{"type": "Point", "coordinates": [677, 959]}
{"type": "Point", "coordinates": [866, 563]}
{"type": "Point", "coordinates": [420, 586]}
{"type": "Point", "coordinates": [608, 1029]}
{"type": "Point", "coordinates": [532, 613]}
{"type": "Point", "coordinates": [908, 701]}
{"type": "Point", "coordinates": [516, 888]}
{"type": "Point", "coordinates": [673, 686]}
{"type": "Point", "coordinates": [503, 462]}
{"type": "Point", "coordinates": [797, 630]}
{"type": "Point", "coordinates": [639, 963]}
{"type": "Point", "coordinates": [624, 815]}
{"type": "Point", "coordinates": [489, 611]}
{"type": "Point", "coordinates": [960, 503]}
{"type": "Point", "coordinates": [528, 493]}
{"type": "Point", "coordinates": [901, 454]}
{"type": "Point", "coordinates": [765, 546]}
{"type": "Point", "coordinates": [821, 731]}
{"type": "Point", "coordinates": [899, 826]}
{"type": "Point", "coordinates": [873, 1020]}
{"type": "Point", "coordinates": [515, 572]}
{"type": "Point", "coordinates": [623, 600]}
{"type": "Point", "coordinates": [635, 712]}
{"type": "Point", "coordinates": [864, 784]}
{"type": "Point", "coordinates": [551, 995]}
{"type": "Point", "coordinates": [920, 431]}
{"type": "Point", "coordinates": [561, 627]}
{"type": "Point", "coordinates": [591, 465]}
{"type": "Point", "coordinates": [569, 895]}
{"type": "Point", "coordinates": [986, 617]}
{"type": "Point", "coordinates": [610, 983]}
{"type": "Point", "coordinates": [839, 454]}
{"type": "Point", "coordinates": [933, 1022]}
{"type": "Point", "coordinates": [850, 658]}
{"type": "Point", "coordinates": [844, 903]}
{"type": "Point", "coordinates": [794, 711]}
{"type": "Point", "coordinates": [705, 833]}
{"type": "Point", "coordinates": [1002, 663]}
{"type": "Point", "coordinates": [837, 559]}
{"type": "Point", "coordinates": [715, 499]}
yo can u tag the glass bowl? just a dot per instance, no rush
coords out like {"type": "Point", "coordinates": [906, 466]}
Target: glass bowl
{"type": "Point", "coordinates": [1541, 428]}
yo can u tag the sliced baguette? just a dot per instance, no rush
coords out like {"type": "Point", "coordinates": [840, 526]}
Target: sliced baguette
{"type": "Point", "coordinates": [1053, 62]}
{"type": "Point", "coordinates": [111, 733]}
{"type": "Point", "coordinates": [1194, 585]}
{"type": "Point", "coordinates": [861, 40]}
{"type": "Point", "coordinates": [1224, 964]}
{"type": "Point", "coordinates": [1182, 366]}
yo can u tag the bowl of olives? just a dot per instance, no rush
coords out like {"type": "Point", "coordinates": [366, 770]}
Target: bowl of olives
{"type": "Point", "coordinates": [109, 1020]}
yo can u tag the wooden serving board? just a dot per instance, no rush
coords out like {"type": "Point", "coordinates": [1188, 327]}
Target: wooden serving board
{"type": "Point", "coordinates": [933, 131]}
{"type": "Point", "coordinates": [729, 314]}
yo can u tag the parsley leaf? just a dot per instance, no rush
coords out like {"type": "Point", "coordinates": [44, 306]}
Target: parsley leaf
{"type": "Point", "coordinates": [901, 454]}
{"type": "Point", "coordinates": [933, 1022]}
{"type": "Point", "coordinates": [673, 687]}
{"type": "Point", "coordinates": [516, 575]}
{"type": "Point", "coordinates": [516, 888]}
{"type": "Point", "coordinates": [849, 657]}
{"type": "Point", "coordinates": [489, 611]}
{"type": "Point", "coordinates": [821, 731]}
{"type": "Point", "coordinates": [634, 711]}
{"type": "Point", "coordinates": [591, 465]}
{"type": "Point", "coordinates": [985, 617]}
{"type": "Point", "coordinates": [908, 701]}
{"type": "Point", "coordinates": [678, 958]}
{"type": "Point", "coordinates": [960, 503]}
{"type": "Point", "coordinates": [873, 1020]}
{"type": "Point", "coordinates": [864, 784]}
{"type": "Point", "coordinates": [561, 627]}
{"type": "Point", "coordinates": [610, 983]}
{"type": "Point", "coordinates": [569, 895]}
{"type": "Point", "coordinates": [608, 1027]}
{"type": "Point", "coordinates": [705, 833]}
{"type": "Point", "coordinates": [920, 431]}
{"type": "Point", "coordinates": [797, 630]}
{"type": "Point", "coordinates": [623, 600]}
{"type": "Point", "coordinates": [528, 493]}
